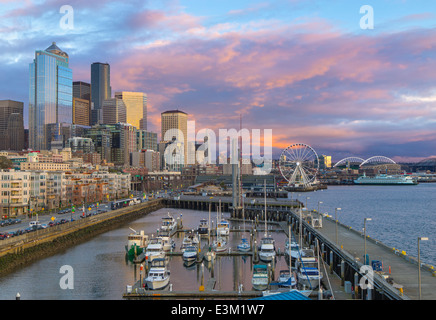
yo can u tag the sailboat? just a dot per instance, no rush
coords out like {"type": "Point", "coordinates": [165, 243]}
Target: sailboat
{"type": "Point", "coordinates": [220, 244]}
{"type": "Point", "coordinates": [308, 270]}
{"type": "Point", "coordinates": [244, 246]}
{"type": "Point", "coordinates": [267, 252]}
{"type": "Point", "coordinates": [210, 254]}
{"type": "Point", "coordinates": [223, 226]}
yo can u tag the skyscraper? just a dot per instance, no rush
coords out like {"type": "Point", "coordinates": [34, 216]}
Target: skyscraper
{"type": "Point", "coordinates": [82, 108]}
{"type": "Point", "coordinates": [177, 120]}
{"type": "Point", "coordinates": [136, 108]}
{"type": "Point", "coordinates": [100, 89]}
{"type": "Point", "coordinates": [50, 94]}
{"type": "Point", "coordinates": [114, 111]}
{"type": "Point", "coordinates": [11, 125]}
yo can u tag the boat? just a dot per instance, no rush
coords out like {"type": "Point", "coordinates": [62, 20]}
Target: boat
{"type": "Point", "coordinates": [384, 179]}
{"type": "Point", "coordinates": [190, 253]}
{"type": "Point", "coordinates": [154, 250]}
{"type": "Point", "coordinates": [168, 224]}
{"type": "Point", "coordinates": [308, 274]}
{"type": "Point", "coordinates": [244, 246]}
{"type": "Point", "coordinates": [136, 242]}
{"type": "Point", "coordinates": [292, 250]}
{"type": "Point", "coordinates": [223, 227]}
{"type": "Point", "coordinates": [209, 255]}
{"type": "Point", "coordinates": [158, 276]}
{"type": "Point", "coordinates": [167, 243]}
{"type": "Point", "coordinates": [260, 277]}
{"type": "Point", "coordinates": [219, 245]}
{"type": "Point", "coordinates": [190, 239]}
{"type": "Point", "coordinates": [287, 279]}
{"type": "Point", "coordinates": [267, 252]}
{"type": "Point", "coordinates": [203, 227]}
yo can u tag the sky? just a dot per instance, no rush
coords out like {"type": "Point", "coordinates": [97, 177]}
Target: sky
{"type": "Point", "coordinates": [304, 68]}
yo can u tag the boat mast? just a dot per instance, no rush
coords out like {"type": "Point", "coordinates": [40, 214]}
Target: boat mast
{"type": "Point", "coordinates": [264, 193]}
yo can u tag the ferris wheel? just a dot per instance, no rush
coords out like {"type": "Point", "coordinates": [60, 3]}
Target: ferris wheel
{"type": "Point", "coordinates": [299, 164]}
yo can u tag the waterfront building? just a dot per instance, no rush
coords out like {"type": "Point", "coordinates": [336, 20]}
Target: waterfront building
{"type": "Point", "coordinates": [14, 192]}
{"type": "Point", "coordinates": [325, 162]}
{"type": "Point", "coordinates": [11, 125]}
{"type": "Point", "coordinates": [136, 108]}
{"type": "Point", "coordinates": [50, 96]}
{"type": "Point", "coordinates": [100, 89]}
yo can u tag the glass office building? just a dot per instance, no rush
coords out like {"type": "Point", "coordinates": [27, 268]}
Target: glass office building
{"type": "Point", "coordinates": [50, 95]}
{"type": "Point", "coordinates": [100, 89]}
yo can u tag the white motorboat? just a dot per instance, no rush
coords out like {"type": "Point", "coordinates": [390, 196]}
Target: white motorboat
{"type": "Point", "coordinates": [167, 243]}
{"type": "Point", "coordinates": [190, 253]}
{"type": "Point", "coordinates": [168, 223]}
{"type": "Point", "coordinates": [267, 252]}
{"type": "Point", "coordinates": [190, 239]}
{"type": "Point", "coordinates": [223, 228]}
{"type": "Point", "coordinates": [308, 274]}
{"type": "Point", "coordinates": [154, 250]}
{"type": "Point", "coordinates": [158, 276]}
{"type": "Point", "coordinates": [260, 277]}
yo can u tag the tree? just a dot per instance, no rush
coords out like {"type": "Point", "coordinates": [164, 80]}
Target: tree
{"type": "Point", "coordinates": [6, 163]}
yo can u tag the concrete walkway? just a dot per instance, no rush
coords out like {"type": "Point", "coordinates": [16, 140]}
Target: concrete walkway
{"type": "Point", "coordinates": [403, 269]}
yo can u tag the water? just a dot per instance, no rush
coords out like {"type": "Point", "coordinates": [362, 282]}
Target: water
{"type": "Point", "coordinates": [102, 272]}
{"type": "Point", "coordinates": [400, 214]}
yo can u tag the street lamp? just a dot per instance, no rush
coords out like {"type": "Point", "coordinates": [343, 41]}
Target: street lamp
{"type": "Point", "coordinates": [419, 265]}
{"type": "Point", "coordinates": [319, 202]}
{"type": "Point", "coordinates": [364, 234]}
{"type": "Point", "coordinates": [336, 210]}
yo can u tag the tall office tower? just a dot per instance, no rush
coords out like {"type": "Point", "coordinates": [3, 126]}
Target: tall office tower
{"type": "Point", "coordinates": [100, 89]}
{"type": "Point", "coordinates": [136, 108]}
{"type": "Point", "coordinates": [81, 112]}
{"type": "Point", "coordinates": [176, 122]}
{"type": "Point", "coordinates": [114, 111]}
{"type": "Point", "coordinates": [82, 90]}
{"type": "Point", "coordinates": [11, 125]}
{"type": "Point", "coordinates": [50, 94]}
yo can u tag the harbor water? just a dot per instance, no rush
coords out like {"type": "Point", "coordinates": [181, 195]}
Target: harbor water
{"type": "Point", "coordinates": [101, 270]}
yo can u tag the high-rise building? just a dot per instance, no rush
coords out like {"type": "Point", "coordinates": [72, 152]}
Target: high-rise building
{"type": "Point", "coordinates": [81, 111]}
{"type": "Point", "coordinates": [11, 125]}
{"type": "Point", "coordinates": [50, 94]}
{"type": "Point", "coordinates": [136, 108]}
{"type": "Point", "coordinates": [147, 140]}
{"type": "Point", "coordinates": [100, 89]}
{"type": "Point", "coordinates": [175, 122]}
{"type": "Point", "coordinates": [82, 90]}
{"type": "Point", "coordinates": [114, 111]}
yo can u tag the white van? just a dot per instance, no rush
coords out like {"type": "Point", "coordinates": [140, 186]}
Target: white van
{"type": "Point", "coordinates": [34, 223]}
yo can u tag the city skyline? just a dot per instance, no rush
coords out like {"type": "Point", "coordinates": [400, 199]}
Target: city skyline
{"type": "Point", "coordinates": [304, 69]}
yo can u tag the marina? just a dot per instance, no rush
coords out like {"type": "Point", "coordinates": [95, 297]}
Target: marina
{"type": "Point", "coordinates": [229, 273]}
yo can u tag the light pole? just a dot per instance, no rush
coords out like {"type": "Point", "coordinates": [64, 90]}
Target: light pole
{"type": "Point", "coordinates": [419, 265]}
{"type": "Point", "coordinates": [319, 202]}
{"type": "Point", "coordinates": [364, 234]}
{"type": "Point", "coordinates": [336, 210]}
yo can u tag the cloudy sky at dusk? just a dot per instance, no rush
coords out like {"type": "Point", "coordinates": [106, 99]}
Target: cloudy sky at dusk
{"type": "Point", "coordinates": [303, 68]}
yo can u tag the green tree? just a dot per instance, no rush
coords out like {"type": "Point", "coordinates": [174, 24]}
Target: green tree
{"type": "Point", "coordinates": [5, 163]}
